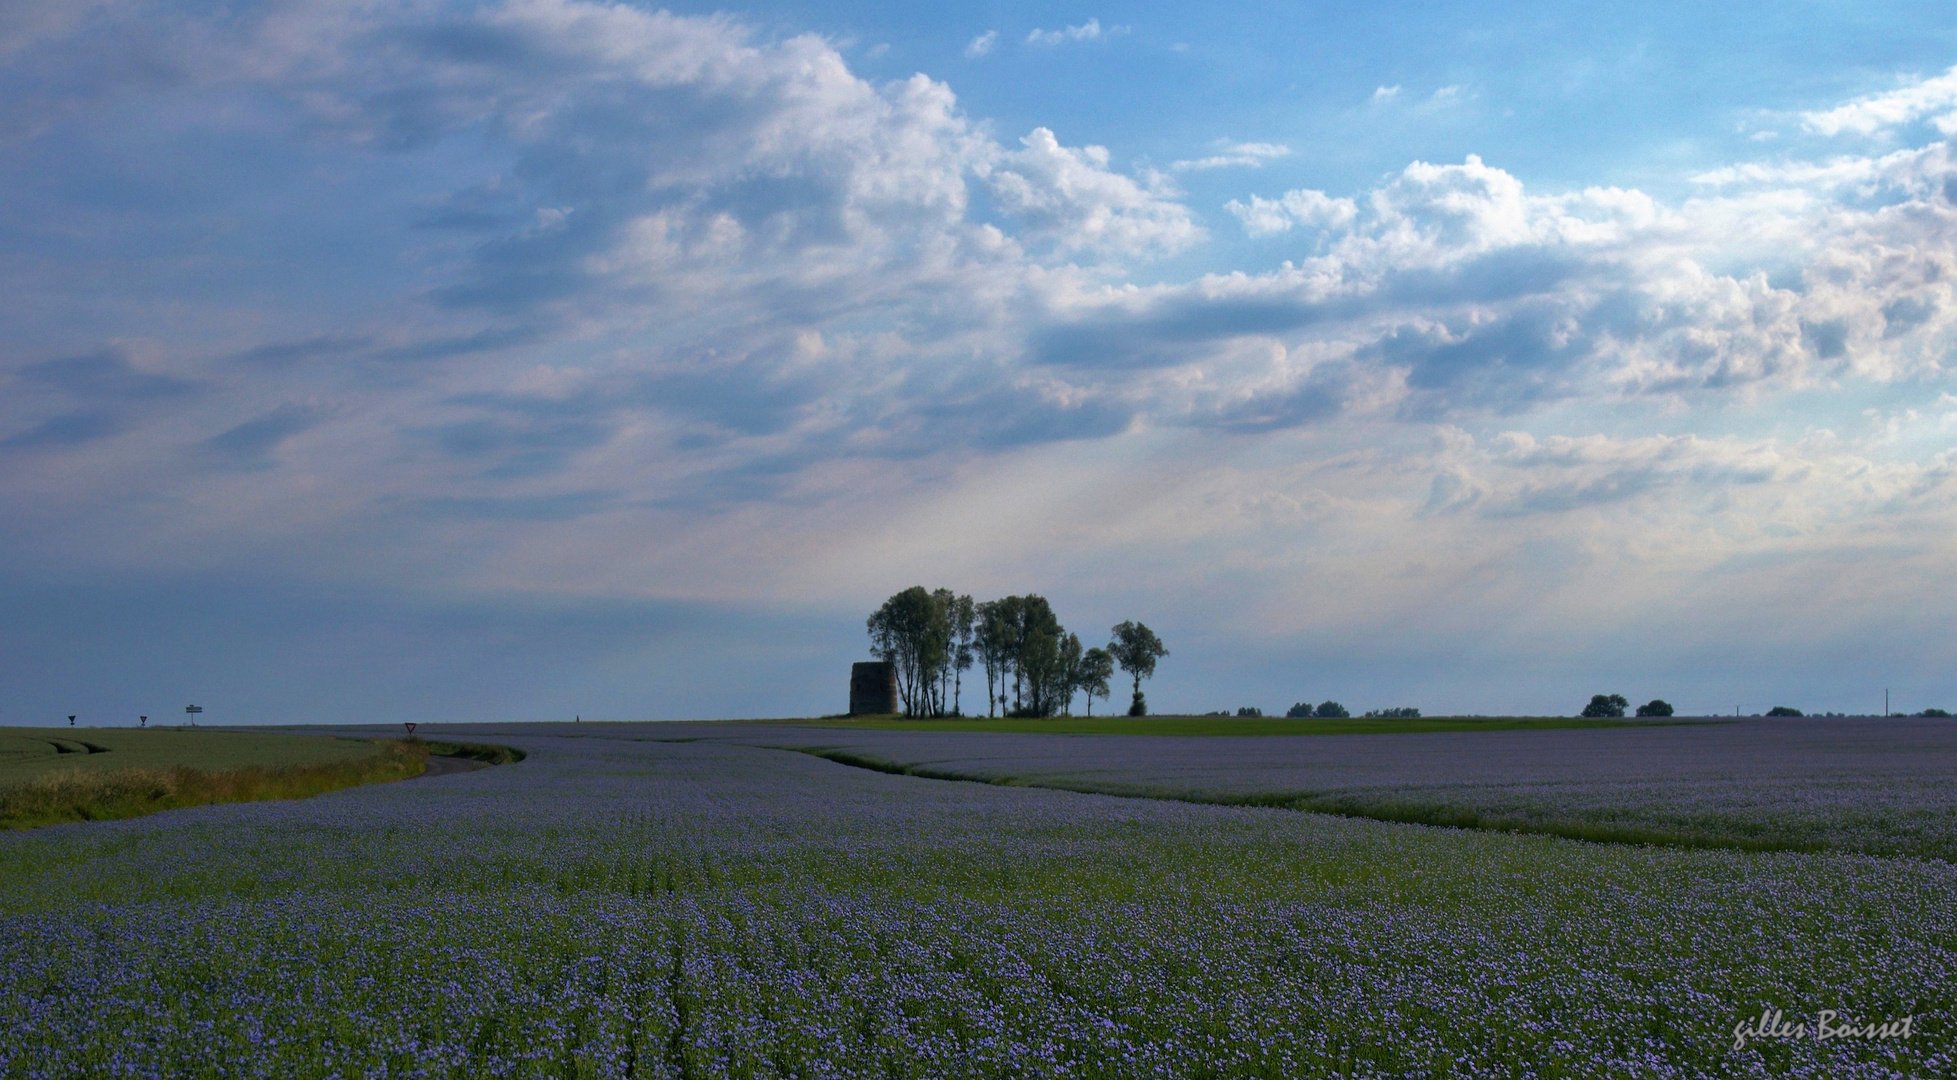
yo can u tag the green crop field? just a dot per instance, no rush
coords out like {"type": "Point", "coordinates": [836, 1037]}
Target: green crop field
{"type": "Point", "coordinates": [1225, 725]}
{"type": "Point", "coordinates": [28, 753]}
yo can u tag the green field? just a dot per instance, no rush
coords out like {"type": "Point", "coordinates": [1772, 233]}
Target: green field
{"type": "Point", "coordinates": [1225, 725]}
{"type": "Point", "coordinates": [27, 753]}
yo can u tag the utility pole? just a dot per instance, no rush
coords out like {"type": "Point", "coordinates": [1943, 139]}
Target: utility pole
{"type": "Point", "coordinates": [1885, 703]}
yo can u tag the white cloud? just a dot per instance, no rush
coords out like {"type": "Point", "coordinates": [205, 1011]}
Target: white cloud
{"type": "Point", "coordinates": [710, 294]}
{"type": "Point", "coordinates": [1070, 197]}
{"type": "Point", "coordinates": [1385, 94]}
{"type": "Point", "coordinates": [1235, 155]}
{"type": "Point", "coordinates": [1935, 99]}
{"type": "Point", "coordinates": [1311, 209]}
{"type": "Point", "coordinates": [1090, 30]}
{"type": "Point", "coordinates": [981, 45]}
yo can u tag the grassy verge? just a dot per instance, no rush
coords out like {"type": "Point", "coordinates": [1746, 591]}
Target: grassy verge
{"type": "Point", "coordinates": [76, 794]}
{"type": "Point", "coordinates": [1402, 811]}
{"type": "Point", "coordinates": [106, 794]}
{"type": "Point", "coordinates": [28, 753]}
{"type": "Point", "coordinates": [1230, 725]}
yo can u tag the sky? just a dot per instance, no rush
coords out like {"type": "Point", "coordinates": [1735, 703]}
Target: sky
{"type": "Point", "coordinates": [395, 360]}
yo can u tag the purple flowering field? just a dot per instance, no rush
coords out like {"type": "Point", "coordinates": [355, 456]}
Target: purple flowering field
{"type": "Point", "coordinates": [689, 901]}
{"type": "Point", "coordinates": [1864, 784]}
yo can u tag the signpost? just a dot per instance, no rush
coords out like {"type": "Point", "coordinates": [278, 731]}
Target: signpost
{"type": "Point", "coordinates": [192, 711]}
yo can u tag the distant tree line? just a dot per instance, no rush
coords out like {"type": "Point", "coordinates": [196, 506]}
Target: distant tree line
{"type": "Point", "coordinates": [1033, 666]}
{"type": "Point", "coordinates": [1330, 710]}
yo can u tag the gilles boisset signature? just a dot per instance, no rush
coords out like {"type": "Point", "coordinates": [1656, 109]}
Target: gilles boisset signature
{"type": "Point", "coordinates": [1773, 1024]}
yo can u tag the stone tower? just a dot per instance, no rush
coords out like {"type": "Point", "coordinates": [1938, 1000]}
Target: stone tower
{"type": "Point", "coordinates": [872, 688]}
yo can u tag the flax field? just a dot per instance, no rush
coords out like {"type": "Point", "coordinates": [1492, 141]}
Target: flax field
{"type": "Point", "coordinates": [706, 901]}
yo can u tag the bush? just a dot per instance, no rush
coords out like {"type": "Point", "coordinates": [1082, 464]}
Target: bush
{"type": "Point", "coordinates": [1606, 705]}
{"type": "Point", "coordinates": [1330, 710]}
{"type": "Point", "coordinates": [1655, 707]}
{"type": "Point", "coordinates": [1937, 713]}
{"type": "Point", "coordinates": [1250, 711]}
{"type": "Point", "coordinates": [1139, 706]}
{"type": "Point", "coordinates": [1783, 710]}
{"type": "Point", "coordinates": [1392, 714]}
{"type": "Point", "coordinates": [1301, 709]}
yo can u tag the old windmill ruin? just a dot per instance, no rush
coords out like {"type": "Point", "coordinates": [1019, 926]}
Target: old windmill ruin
{"type": "Point", "coordinates": [872, 688]}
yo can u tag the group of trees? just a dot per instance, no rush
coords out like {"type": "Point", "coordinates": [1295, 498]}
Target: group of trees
{"type": "Point", "coordinates": [1033, 666]}
{"type": "Point", "coordinates": [1613, 705]}
{"type": "Point", "coordinates": [1330, 710]}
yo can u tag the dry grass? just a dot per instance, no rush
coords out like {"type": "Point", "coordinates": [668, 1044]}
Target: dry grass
{"type": "Point", "coordinates": [105, 794]}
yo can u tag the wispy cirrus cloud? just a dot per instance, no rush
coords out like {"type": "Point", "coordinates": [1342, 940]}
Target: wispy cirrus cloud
{"type": "Point", "coordinates": [1091, 30]}
{"type": "Point", "coordinates": [1235, 155]}
{"type": "Point", "coordinates": [1933, 99]}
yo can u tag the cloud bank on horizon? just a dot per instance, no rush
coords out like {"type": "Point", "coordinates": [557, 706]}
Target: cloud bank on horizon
{"type": "Point", "coordinates": [483, 311]}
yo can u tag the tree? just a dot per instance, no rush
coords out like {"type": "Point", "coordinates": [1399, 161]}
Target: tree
{"type": "Point", "coordinates": [964, 617]}
{"type": "Point", "coordinates": [1039, 668]}
{"type": "Point", "coordinates": [1408, 713]}
{"type": "Point", "coordinates": [1300, 709]}
{"type": "Point", "coordinates": [1655, 707]}
{"type": "Point", "coordinates": [1070, 661]}
{"type": "Point", "coordinates": [1096, 667]}
{"type": "Point", "coordinates": [1136, 648]}
{"type": "Point", "coordinates": [1250, 712]}
{"type": "Point", "coordinates": [1330, 710]}
{"type": "Point", "coordinates": [912, 630]}
{"type": "Point", "coordinates": [991, 639]}
{"type": "Point", "coordinates": [1783, 710]}
{"type": "Point", "coordinates": [1606, 705]}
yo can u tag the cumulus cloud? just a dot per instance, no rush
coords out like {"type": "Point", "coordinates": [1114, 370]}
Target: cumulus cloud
{"type": "Point", "coordinates": [1071, 197]}
{"type": "Point", "coordinates": [1311, 209]}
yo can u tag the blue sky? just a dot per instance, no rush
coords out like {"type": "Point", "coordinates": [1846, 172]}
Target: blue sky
{"type": "Point", "coordinates": [415, 360]}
